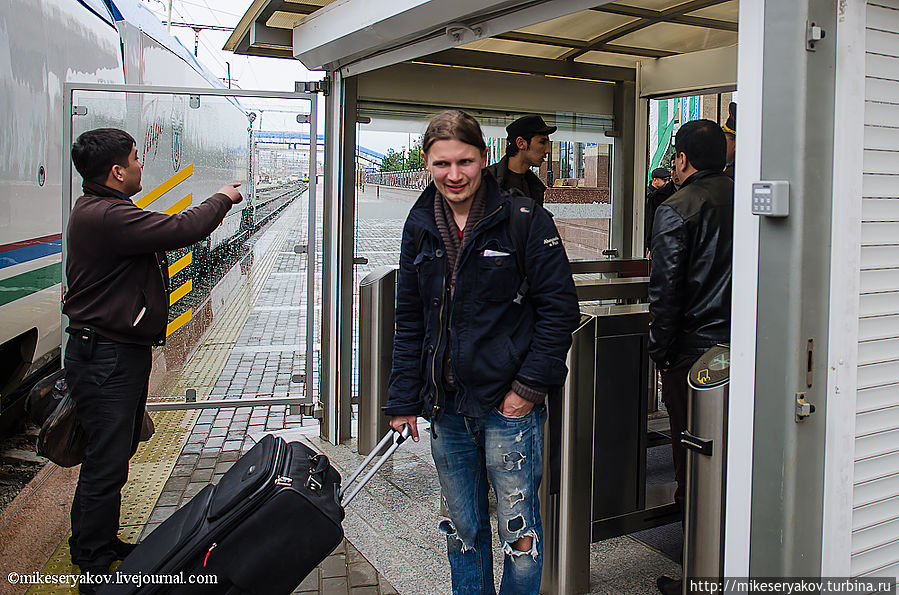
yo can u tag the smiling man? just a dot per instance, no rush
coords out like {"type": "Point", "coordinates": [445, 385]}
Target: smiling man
{"type": "Point", "coordinates": [527, 147]}
{"type": "Point", "coordinates": [483, 326]}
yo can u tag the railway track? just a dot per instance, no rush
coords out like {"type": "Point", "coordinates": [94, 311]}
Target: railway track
{"type": "Point", "coordinates": [272, 201]}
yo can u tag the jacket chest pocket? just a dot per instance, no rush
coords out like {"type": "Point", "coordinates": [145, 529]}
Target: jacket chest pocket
{"type": "Point", "coordinates": [430, 265]}
{"type": "Point", "coordinates": [498, 277]}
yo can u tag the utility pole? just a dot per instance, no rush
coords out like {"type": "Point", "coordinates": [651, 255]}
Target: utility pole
{"type": "Point", "coordinates": [197, 28]}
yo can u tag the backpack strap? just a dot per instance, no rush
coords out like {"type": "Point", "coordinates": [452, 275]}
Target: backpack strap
{"type": "Point", "coordinates": [519, 227]}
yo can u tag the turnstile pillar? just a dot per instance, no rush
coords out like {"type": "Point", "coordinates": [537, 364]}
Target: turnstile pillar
{"type": "Point", "coordinates": [706, 444]}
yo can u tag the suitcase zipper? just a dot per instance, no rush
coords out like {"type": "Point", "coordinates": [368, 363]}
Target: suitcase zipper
{"type": "Point", "coordinates": [281, 452]}
{"type": "Point", "coordinates": [208, 552]}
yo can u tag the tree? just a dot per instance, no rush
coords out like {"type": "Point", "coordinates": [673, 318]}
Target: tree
{"type": "Point", "coordinates": [398, 161]}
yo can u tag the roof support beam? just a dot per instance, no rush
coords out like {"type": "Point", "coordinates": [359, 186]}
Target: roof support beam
{"type": "Point", "coordinates": [577, 43]}
{"type": "Point", "coordinates": [509, 63]}
{"type": "Point", "coordinates": [645, 13]}
{"type": "Point", "coordinates": [600, 43]}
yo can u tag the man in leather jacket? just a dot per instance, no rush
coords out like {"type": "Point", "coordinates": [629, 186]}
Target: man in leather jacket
{"type": "Point", "coordinates": [690, 283]}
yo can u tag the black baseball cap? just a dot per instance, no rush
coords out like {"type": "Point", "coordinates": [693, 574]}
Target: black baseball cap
{"type": "Point", "coordinates": [661, 173]}
{"type": "Point", "coordinates": [528, 126]}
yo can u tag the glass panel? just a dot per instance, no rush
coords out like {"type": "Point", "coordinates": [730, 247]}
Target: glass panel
{"type": "Point", "coordinates": [244, 286]}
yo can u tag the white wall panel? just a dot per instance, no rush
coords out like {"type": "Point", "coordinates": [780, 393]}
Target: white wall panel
{"type": "Point", "coordinates": [878, 398]}
{"type": "Point", "coordinates": [881, 209]}
{"type": "Point", "coordinates": [879, 304]}
{"type": "Point", "coordinates": [875, 517]}
{"type": "Point", "coordinates": [878, 374]}
{"type": "Point", "coordinates": [870, 491]}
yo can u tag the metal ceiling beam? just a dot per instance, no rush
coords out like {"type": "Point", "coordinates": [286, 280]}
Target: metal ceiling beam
{"type": "Point", "coordinates": [632, 11]}
{"type": "Point", "coordinates": [564, 42]}
{"type": "Point", "coordinates": [598, 43]}
{"type": "Point", "coordinates": [523, 64]}
{"type": "Point", "coordinates": [542, 39]}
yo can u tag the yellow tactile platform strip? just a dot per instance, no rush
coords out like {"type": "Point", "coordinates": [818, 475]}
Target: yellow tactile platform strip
{"type": "Point", "coordinates": [155, 459]}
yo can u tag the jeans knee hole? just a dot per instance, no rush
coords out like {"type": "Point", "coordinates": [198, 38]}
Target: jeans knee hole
{"type": "Point", "coordinates": [515, 498]}
{"type": "Point", "coordinates": [513, 461]}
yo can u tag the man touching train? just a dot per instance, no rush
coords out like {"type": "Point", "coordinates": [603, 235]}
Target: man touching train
{"type": "Point", "coordinates": [117, 303]}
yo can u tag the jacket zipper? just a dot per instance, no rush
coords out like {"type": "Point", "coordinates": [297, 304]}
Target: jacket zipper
{"type": "Point", "coordinates": [476, 227]}
{"type": "Point", "coordinates": [436, 407]}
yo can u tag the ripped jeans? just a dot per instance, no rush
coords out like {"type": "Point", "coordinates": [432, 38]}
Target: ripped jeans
{"type": "Point", "coordinates": [510, 451]}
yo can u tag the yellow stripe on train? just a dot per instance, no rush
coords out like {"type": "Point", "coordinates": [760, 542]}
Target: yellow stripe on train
{"type": "Point", "coordinates": [179, 322]}
{"type": "Point", "coordinates": [182, 262]}
{"type": "Point", "coordinates": [180, 205]}
{"type": "Point", "coordinates": [165, 186]}
{"type": "Point", "coordinates": [181, 292]}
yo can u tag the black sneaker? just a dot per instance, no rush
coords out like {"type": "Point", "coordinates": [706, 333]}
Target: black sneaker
{"type": "Point", "coordinates": [122, 548]}
{"type": "Point", "coordinates": [669, 586]}
{"type": "Point", "coordinates": [74, 553]}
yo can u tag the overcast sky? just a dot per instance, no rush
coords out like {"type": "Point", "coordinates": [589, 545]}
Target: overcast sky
{"type": "Point", "coordinates": [248, 72]}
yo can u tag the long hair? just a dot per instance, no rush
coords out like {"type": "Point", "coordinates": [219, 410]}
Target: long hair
{"type": "Point", "coordinates": [453, 125]}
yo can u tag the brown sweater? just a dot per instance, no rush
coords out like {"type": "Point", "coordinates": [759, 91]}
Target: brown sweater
{"type": "Point", "coordinates": [116, 270]}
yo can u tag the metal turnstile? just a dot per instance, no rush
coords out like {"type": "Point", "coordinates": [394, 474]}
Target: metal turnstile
{"type": "Point", "coordinates": [621, 500]}
{"type": "Point", "coordinates": [566, 514]}
{"type": "Point", "coordinates": [377, 304]}
{"type": "Point", "coordinates": [706, 444]}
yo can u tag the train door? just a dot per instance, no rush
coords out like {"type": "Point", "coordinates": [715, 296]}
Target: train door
{"type": "Point", "coordinates": [191, 142]}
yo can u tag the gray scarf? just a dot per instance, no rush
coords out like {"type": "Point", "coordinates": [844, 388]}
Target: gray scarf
{"type": "Point", "coordinates": [446, 225]}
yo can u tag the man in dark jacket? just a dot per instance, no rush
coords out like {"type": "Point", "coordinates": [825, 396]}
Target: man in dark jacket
{"type": "Point", "coordinates": [476, 361]}
{"type": "Point", "coordinates": [117, 303]}
{"type": "Point", "coordinates": [690, 282]}
{"type": "Point", "coordinates": [659, 190]}
{"type": "Point", "coordinates": [526, 147]}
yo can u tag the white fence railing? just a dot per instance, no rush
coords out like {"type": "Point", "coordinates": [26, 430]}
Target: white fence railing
{"type": "Point", "coordinates": [416, 179]}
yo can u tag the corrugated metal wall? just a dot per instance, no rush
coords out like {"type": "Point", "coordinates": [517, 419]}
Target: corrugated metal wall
{"type": "Point", "coordinates": [875, 518]}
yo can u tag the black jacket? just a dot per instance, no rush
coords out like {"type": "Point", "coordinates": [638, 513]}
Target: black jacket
{"type": "Point", "coordinates": [536, 188]}
{"type": "Point", "coordinates": [116, 269]}
{"type": "Point", "coordinates": [493, 340]}
{"type": "Point", "coordinates": [690, 282]}
{"type": "Point", "coordinates": [655, 197]}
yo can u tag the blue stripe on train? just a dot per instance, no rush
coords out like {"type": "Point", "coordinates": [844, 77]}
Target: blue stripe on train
{"type": "Point", "coordinates": [28, 253]}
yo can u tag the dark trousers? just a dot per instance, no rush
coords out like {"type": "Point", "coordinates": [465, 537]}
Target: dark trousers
{"type": "Point", "coordinates": [674, 395]}
{"type": "Point", "coordinates": [109, 382]}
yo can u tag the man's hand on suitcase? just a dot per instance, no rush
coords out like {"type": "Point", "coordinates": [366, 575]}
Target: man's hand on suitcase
{"type": "Point", "coordinates": [397, 422]}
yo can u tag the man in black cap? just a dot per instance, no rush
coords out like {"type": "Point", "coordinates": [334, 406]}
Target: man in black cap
{"type": "Point", "coordinates": [658, 190]}
{"type": "Point", "coordinates": [528, 144]}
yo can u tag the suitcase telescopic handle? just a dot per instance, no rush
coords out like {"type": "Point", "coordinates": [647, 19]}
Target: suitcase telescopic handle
{"type": "Point", "coordinates": [398, 438]}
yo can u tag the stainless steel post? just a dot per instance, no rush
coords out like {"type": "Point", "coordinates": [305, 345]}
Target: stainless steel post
{"type": "Point", "coordinates": [706, 443]}
{"type": "Point", "coordinates": [377, 303]}
{"type": "Point", "coordinates": [566, 515]}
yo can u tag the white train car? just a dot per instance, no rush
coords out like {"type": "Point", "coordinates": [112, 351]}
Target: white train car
{"type": "Point", "coordinates": [44, 44]}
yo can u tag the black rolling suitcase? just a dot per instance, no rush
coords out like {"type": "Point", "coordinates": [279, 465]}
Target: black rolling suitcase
{"type": "Point", "coordinates": [272, 518]}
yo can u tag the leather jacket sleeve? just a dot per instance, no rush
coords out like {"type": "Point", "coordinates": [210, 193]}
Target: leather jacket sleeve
{"type": "Point", "coordinates": [406, 384]}
{"type": "Point", "coordinates": [666, 282]}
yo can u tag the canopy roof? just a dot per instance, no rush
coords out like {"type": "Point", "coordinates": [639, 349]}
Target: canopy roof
{"type": "Point", "coordinates": [566, 37]}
